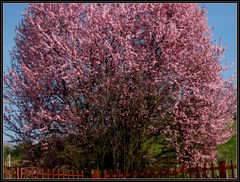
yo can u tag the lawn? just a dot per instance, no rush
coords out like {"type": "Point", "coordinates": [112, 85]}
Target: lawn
{"type": "Point", "coordinates": [228, 151]}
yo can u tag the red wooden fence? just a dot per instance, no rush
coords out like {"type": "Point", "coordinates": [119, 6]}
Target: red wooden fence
{"type": "Point", "coordinates": [172, 171]}
{"type": "Point", "coordinates": [156, 171]}
{"type": "Point", "coordinates": [34, 172]}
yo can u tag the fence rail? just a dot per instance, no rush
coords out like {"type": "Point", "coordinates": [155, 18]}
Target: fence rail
{"type": "Point", "coordinates": [35, 172]}
{"type": "Point", "coordinates": [208, 170]}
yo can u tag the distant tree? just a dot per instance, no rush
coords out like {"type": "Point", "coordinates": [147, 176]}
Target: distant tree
{"type": "Point", "coordinates": [113, 76]}
{"type": "Point", "coordinates": [14, 151]}
{"type": "Point", "coordinates": [6, 151]}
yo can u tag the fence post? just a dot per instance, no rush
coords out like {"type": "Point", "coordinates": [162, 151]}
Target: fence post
{"type": "Point", "coordinates": [63, 174]}
{"type": "Point", "coordinates": [32, 172]}
{"type": "Point", "coordinates": [190, 171]}
{"type": "Point", "coordinates": [48, 173]}
{"type": "Point", "coordinates": [42, 172]}
{"type": "Point", "coordinates": [37, 172]}
{"type": "Point", "coordinates": [168, 171]}
{"type": "Point", "coordinates": [73, 174]}
{"type": "Point", "coordinates": [232, 169]}
{"type": "Point", "coordinates": [4, 171]}
{"type": "Point", "coordinates": [53, 173]}
{"type": "Point", "coordinates": [160, 171]}
{"type": "Point", "coordinates": [154, 170]}
{"type": "Point", "coordinates": [95, 173]}
{"type": "Point", "coordinates": [222, 169]}
{"type": "Point", "coordinates": [26, 172]}
{"type": "Point", "coordinates": [212, 170]}
{"type": "Point", "coordinates": [17, 172]}
{"type": "Point", "coordinates": [175, 170]}
{"type": "Point", "coordinates": [182, 168]}
{"type": "Point", "coordinates": [197, 172]}
{"type": "Point", "coordinates": [205, 170]}
{"type": "Point", "coordinates": [110, 173]}
{"type": "Point", "coordinates": [21, 172]}
{"type": "Point", "coordinates": [98, 173]}
{"type": "Point", "coordinates": [11, 172]}
{"type": "Point", "coordinates": [58, 173]}
{"type": "Point", "coordinates": [105, 174]}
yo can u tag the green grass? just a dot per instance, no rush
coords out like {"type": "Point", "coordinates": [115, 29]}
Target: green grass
{"type": "Point", "coordinates": [228, 151]}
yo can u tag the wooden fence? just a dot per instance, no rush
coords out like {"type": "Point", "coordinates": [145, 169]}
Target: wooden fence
{"type": "Point", "coordinates": [208, 170]}
{"type": "Point", "coordinates": [34, 172]}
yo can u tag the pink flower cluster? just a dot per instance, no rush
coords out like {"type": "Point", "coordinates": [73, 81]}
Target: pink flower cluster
{"type": "Point", "coordinates": [80, 66]}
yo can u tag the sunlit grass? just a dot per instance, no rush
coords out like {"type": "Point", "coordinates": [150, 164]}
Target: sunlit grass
{"type": "Point", "coordinates": [228, 151]}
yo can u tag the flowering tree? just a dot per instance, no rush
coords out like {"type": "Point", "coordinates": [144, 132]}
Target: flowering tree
{"type": "Point", "coordinates": [112, 76]}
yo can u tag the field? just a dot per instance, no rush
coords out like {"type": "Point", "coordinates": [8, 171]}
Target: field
{"type": "Point", "coordinates": [228, 151]}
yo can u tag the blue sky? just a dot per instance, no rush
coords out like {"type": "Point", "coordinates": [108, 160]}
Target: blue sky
{"type": "Point", "coordinates": [222, 15]}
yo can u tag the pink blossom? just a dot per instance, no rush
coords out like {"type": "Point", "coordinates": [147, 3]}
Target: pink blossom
{"type": "Point", "coordinates": [118, 65]}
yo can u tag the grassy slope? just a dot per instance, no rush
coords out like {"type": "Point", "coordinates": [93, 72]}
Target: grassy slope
{"type": "Point", "coordinates": [228, 151]}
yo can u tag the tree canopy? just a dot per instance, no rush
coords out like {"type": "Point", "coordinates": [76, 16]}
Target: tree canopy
{"type": "Point", "coordinates": [112, 76]}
